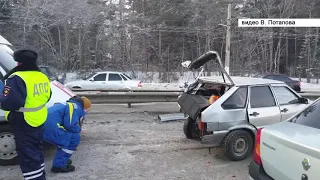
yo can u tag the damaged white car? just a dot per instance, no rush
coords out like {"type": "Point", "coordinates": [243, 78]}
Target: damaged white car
{"type": "Point", "coordinates": [224, 111]}
{"type": "Point", "coordinates": [8, 153]}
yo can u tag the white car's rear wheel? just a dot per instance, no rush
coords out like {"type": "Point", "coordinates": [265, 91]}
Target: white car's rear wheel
{"type": "Point", "coordinates": [190, 129]}
{"type": "Point", "coordinates": [238, 145]}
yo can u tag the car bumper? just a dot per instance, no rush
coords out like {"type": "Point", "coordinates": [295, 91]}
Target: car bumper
{"type": "Point", "coordinates": [257, 172]}
{"type": "Point", "coordinates": [214, 139]}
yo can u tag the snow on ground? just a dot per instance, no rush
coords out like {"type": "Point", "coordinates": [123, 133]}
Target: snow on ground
{"type": "Point", "coordinates": [312, 86]}
{"type": "Point", "coordinates": [163, 86]}
{"type": "Point", "coordinates": [176, 80]}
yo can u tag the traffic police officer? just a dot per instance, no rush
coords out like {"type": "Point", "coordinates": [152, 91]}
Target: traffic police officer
{"type": "Point", "coordinates": [26, 92]}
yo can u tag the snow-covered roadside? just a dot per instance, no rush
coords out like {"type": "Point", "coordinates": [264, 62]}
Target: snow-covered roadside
{"type": "Point", "coordinates": [153, 82]}
{"type": "Point", "coordinates": [305, 87]}
{"type": "Point", "coordinates": [310, 87]}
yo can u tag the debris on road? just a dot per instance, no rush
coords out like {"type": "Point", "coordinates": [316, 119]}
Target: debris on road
{"type": "Point", "coordinates": [171, 117]}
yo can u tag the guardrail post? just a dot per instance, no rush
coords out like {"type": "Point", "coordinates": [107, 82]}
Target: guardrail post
{"type": "Point", "coordinates": [129, 105]}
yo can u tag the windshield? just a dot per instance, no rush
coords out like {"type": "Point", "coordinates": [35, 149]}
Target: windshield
{"type": "Point", "coordinates": [6, 59]}
{"type": "Point", "coordinates": [47, 71]}
{"type": "Point", "coordinates": [257, 76]}
{"type": "Point", "coordinates": [90, 76]}
{"type": "Point", "coordinates": [310, 116]}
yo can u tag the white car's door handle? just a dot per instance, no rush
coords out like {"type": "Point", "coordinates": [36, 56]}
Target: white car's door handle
{"type": "Point", "coordinates": [254, 114]}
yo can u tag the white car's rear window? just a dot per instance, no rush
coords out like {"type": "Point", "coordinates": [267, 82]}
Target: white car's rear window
{"type": "Point", "coordinates": [310, 116]}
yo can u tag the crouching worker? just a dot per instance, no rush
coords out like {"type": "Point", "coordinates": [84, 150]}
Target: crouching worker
{"type": "Point", "coordinates": [62, 129]}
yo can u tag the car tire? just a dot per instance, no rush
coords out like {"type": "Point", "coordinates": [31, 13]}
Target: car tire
{"type": "Point", "coordinates": [297, 88]}
{"type": "Point", "coordinates": [190, 129]}
{"type": "Point", "coordinates": [8, 153]}
{"type": "Point", "coordinates": [238, 145]}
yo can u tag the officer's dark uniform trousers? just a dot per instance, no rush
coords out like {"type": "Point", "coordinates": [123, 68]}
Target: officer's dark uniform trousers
{"type": "Point", "coordinates": [28, 137]}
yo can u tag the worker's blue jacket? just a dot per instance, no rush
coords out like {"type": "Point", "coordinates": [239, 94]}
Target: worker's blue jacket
{"type": "Point", "coordinates": [63, 120]}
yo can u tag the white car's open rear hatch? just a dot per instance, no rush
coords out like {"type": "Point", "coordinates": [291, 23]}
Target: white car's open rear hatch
{"type": "Point", "coordinates": [211, 60]}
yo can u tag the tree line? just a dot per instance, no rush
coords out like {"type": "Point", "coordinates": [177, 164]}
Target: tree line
{"type": "Point", "coordinates": [157, 35]}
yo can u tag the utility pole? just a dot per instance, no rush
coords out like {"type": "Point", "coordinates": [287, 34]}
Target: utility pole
{"type": "Point", "coordinates": [228, 37]}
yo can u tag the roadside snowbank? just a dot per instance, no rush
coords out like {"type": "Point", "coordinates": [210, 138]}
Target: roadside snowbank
{"type": "Point", "coordinates": [151, 81]}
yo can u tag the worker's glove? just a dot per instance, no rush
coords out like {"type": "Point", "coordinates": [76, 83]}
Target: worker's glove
{"type": "Point", "coordinates": [82, 119]}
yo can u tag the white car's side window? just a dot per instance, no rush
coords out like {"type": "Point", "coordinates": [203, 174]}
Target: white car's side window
{"type": "Point", "coordinates": [285, 96]}
{"type": "Point", "coordinates": [114, 77]}
{"type": "Point", "coordinates": [237, 100]}
{"type": "Point", "coordinates": [261, 96]}
{"type": "Point", "coordinates": [100, 77]}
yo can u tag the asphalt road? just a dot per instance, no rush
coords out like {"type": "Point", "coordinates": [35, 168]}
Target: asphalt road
{"type": "Point", "coordinates": [122, 143]}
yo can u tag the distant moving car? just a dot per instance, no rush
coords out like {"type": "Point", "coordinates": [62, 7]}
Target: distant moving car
{"type": "Point", "coordinates": [242, 104]}
{"type": "Point", "coordinates": [290, 149]}
{"type": "Point", "coordinates": [51, 73]}
{"type": "Point", "coordinates": [106, 80]}
{"type": "Point", "coordinates": [294, 84]}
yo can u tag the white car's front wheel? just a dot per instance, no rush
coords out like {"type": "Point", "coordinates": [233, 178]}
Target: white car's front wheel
{"type": "Point", "coordinates": [8, 153]}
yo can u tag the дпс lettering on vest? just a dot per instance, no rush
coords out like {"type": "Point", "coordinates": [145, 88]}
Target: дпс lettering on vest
{"type": "Point", "coordinates": [40, 88]}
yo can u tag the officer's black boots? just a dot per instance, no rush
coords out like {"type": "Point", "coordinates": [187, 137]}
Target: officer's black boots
{"type": "Point", "coordinates": [67, 169]}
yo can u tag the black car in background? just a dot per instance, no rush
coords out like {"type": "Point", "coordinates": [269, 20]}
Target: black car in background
{"type": "Point", "coordinates": [294, 84]}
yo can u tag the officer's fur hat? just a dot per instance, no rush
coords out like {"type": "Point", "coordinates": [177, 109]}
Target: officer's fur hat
{"type": "Point", "coordinates": [25, 56]}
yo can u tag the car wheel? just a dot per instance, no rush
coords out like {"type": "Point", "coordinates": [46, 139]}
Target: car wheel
{"type": "Point", "coordinates": [238, 145]}
{"type": "Point", "coordinates": [8, 153]}
{"type": "Point", "coordinates": [190, 129]}
{"type": "Point", "coordinates": [297, 88]}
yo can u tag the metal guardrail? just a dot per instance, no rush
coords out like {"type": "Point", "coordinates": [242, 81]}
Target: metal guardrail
{"type": "Point", "coordinates": [154, 90]}
{"type": "Point", "coordinates": [312, 96]}
{"type": "Point", "coordinates": [130, 97]}
{"type": "Point", "coordinates": [144, 96]}
{"type": "Point", "coordinates": [125, 90]}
